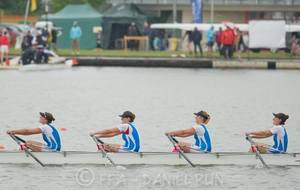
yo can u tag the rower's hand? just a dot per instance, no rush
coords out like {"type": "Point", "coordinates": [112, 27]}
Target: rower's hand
{"type": "Point", "coordinates": [10, 132]}
{"type": "Point", "coordinates": [168, 134]}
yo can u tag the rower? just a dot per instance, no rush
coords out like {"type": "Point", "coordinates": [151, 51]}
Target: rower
{"type": "Point", "coordinates": [50, 134]}
{"type": "Point", "coordinates": [278, 132]}
{"type": "Point", "coordinates": [129, 133]}
{"type": "Point", "coordinates": [200, 132]}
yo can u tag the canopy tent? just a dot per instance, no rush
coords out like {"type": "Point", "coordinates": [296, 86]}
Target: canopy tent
{"type": "Point", "coordinates": [87, 18]}
{"type": "Point", "coordinates": [116, 21]}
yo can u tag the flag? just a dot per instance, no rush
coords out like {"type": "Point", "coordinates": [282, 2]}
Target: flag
{"type": "Point", "coordinates": [197, 11]}
{"type": "Point", "coordinates": [33, 5]}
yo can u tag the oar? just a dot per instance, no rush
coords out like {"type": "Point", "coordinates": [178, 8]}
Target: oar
{"type": "Point", "coordinates": [21, 142]}
{"type": "Point", "coordinates": [248, 138]}
{"type": "Point", "coordinates": [100, 143]}
{"type": "Point", "coordinates": [175, 142]}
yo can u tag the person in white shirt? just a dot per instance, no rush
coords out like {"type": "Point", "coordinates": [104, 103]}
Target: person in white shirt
{"type": "Point", "coordinates": [279, 133]}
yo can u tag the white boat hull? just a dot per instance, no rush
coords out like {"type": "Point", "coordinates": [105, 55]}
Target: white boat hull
{"type": "Point", "coordinates": [149, 158]}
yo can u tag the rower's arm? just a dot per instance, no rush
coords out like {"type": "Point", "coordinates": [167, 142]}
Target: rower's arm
{"type": "Point", "coordinates": [182, 133]}
{"type": "Point", "coordinates": [108, 133]}
{"type": "Point", "coordinates": [26, 131]}
{"type": "Point", "coordinates": [261, 134]}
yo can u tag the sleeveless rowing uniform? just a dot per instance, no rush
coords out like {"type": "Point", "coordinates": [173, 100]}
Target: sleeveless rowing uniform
{"type": "Point", "coordinates": [51, 137]}
{"type": "Point", "coordinates": [202, 138]}
{"type": "Point", "coordinates": [130, 136]}
{"type": "Point", "coordinates": [280, 139]}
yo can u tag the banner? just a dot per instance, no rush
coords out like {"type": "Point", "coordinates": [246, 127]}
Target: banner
{"type": "Point", "coordinates": [197, 11]}
{"type": "Point", "coordinates": [267, 34]}
{"type": "Point", "coordinates": [33, 5]}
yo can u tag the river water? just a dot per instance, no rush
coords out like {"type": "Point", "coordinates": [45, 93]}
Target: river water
{"type": "Point", "coordinates": [89, 99]}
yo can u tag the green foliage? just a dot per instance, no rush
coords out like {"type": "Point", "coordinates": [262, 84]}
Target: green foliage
{"type": "Point", "coordinates": [13, 6]}
{"type": "Point", "coordinates": [18, 6]}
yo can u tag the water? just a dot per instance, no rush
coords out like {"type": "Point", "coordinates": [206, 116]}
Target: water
{"type": "Point", "coordinates": [89, 99]}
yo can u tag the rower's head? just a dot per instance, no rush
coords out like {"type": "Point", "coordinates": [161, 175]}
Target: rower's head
{"type": "Point", "coordinates": [279, 118]}
{"type": "Point", "coordinates": [46, 118]}
{"type": "Point", "coordinates": [202, 117]}
{"type": "Point", "coordinates": [127, 117]}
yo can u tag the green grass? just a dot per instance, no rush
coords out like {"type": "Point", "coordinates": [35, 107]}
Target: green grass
{"type": "Point", "coordinates": [166, 54]}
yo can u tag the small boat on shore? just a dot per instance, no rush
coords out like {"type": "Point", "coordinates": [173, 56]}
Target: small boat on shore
{"type": "Point", "coordinates": [55, 63]}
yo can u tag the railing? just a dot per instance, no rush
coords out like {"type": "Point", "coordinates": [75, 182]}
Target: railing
{"type": "Point", "coordinates": [216, 2]}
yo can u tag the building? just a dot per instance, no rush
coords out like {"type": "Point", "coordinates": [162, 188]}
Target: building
{"type": "Point", "coordinates": [238, 11]}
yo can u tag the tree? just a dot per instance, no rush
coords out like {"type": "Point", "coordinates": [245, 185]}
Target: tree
{"type": "Point", "coordinates": [57, 5]}
{"type": "Point", "coordinates": [19, 6]}
{"type": "Point", "coordinates": [13, 6]}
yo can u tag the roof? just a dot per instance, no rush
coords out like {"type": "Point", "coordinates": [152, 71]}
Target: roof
{"type": "Point", "coordinates": [75, 11]}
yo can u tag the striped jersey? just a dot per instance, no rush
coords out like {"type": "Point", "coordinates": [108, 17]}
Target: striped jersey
{"type": "Point", "coordinates": [202, 138]}
{"type": "Point", "coordinates": [51, 137]}
{"type": "Point", "coordinates": [280, 138]}
{"type": "Point", "coordinates": [130, 136]}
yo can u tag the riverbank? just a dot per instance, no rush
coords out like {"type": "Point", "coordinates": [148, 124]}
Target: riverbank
{"type": "Point", "coordinates": [168, 54]}
{"type": "Point", "coordinates": [248, 60]}
{"type": "Point", "coordinates": [189, 63]}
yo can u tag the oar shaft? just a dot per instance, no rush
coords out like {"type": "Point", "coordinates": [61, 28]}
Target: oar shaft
{"type": "Point", "coordinates": [18, 140]}
{"type": "Point", "coordinates": [175, 142]}
{"type": "Point", "coordinates": [97, 141]}
{"type": "Point", "coordinates": [248, 138]}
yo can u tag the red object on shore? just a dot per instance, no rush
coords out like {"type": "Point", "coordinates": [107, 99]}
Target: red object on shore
{"type": "Point", "coordinates": [7, 62]}
{"type": "Point", "coordinates": [219, 37]}
{"type": "Point", "coordinates": [74, 61]}
{"type": "Point", "coordinates": [228, 37]}
{"type": "Point", "coordinates": [4, 40]}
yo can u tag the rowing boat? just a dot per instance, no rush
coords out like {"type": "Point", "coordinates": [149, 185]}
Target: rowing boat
{"type": "Point", "coordinates": [149, 158]}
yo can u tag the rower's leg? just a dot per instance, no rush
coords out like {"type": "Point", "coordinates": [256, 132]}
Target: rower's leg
{"type": "Point", "coordinates": [112, 147]}
{"type": "Point", "coordinates": [35, 146]}
{"type": "Point", "coordinates": [185, 147]}
{"type": "Point", "coordinates": [261, 147]}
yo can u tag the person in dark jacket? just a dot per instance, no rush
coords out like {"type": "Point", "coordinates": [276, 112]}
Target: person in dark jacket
{"type": "Point", "coordinates": [197, 38]}
{"type": "Point", "coordinates": [133, 31]}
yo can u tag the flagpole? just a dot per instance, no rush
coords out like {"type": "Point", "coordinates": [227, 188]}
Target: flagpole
{"type": "Point", "coordinates": [26, 12]}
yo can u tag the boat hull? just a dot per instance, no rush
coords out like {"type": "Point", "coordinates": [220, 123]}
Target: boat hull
{"type": "Point", "coordinates": [148, 158]}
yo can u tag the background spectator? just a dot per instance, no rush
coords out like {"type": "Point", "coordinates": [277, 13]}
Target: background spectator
{"type": "Point", "coordinates": [238, 37]}
{"type": "Point", "coordinates": [210, 40]}
{"type": "Point", "coordinates": [4, 48]}
{"type": "Point", "coordinates": [98, 40]}
{"type": "Point", "coordinates": [75, 35]}
{"type": "Point", "coordinates": [219, 40]}
{"type": "Point", "coordinates": [295, 48]}
{"type": "Point", "coordinates": [132, 31]}
{"type": "Point", "coordinates": [228, 42]}
{"type": "Point", "coordinates": [54, 38]}
{"type": "Point", "coordinates": [147, 32]}
{"type": "Point", "coordinates": [197, 38]}
{"type": "Point", "coordinates": [189, 35]}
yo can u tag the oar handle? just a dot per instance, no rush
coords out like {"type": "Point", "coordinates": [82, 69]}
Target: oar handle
{"type": "Point", "coordinates": [97, 141]}
{"type": "Point", "coordinates": [250, 140]}
{"type": "Point", "coordinates": [19, 141]}
{"type": "Point", "coordinates": [175, 142]}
